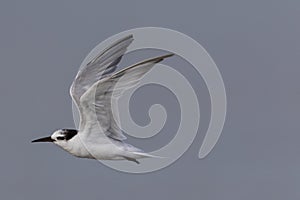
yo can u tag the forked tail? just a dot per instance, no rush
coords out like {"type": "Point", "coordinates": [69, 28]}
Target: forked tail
{"type": "Point", "coordinates": [139, 155]}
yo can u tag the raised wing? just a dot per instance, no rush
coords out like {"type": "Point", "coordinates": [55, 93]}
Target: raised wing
{"type": "Point", "coordinates": [103, 64]}
{"type": "Point", "coordinates": [97, 99]}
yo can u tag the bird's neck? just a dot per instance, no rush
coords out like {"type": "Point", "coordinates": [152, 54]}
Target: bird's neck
{"type": "Point", "coordinates": [75, 147]}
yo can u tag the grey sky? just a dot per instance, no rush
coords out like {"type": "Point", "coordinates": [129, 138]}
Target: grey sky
{"type": "Point", "coordinates": [256, 47]}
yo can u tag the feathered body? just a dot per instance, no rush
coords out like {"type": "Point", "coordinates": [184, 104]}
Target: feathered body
{"type": "Point", "coordinates": [99, 136]}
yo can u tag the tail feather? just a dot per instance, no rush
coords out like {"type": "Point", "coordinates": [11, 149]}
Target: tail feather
{"type": "Point", "coordinates": [146, 155]}
{"type": "Point", "coordinates": [139, 155]}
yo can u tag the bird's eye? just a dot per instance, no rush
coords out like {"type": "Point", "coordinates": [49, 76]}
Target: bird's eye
{"type": "Point", "coordinates": [60, 138]}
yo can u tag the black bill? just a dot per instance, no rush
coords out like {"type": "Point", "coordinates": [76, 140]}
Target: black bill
{"type": "Point", "coordinates": [45, 139]}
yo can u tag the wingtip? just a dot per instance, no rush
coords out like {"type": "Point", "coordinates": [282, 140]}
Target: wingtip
{"type": "Point", "coordinates": [169, 55]}
{"type": "Point", "coordinates": [161, 58]}
{"type": "Point", "coordinates": [117, 42]}
{"type": "Point", "coordinates": [129, 36]}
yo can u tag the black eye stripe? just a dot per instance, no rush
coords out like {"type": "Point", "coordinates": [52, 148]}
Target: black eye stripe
{"type": "Point", "coordinates": [60, 138]}
{"type": "Point", "coordinates": [69, 133]}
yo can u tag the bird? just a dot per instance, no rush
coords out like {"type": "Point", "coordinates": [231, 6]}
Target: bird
{"type": "Point", "coordinates": [99, 136]}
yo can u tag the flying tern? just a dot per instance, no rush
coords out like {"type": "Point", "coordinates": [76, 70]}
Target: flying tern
{"type": "Point", "coordinates": [99, 136]}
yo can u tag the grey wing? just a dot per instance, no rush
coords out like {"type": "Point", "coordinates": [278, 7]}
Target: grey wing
{"type": "Point", "coordinates": [106, 62]}
{"type": "Point", "coordinates": [98, 98]}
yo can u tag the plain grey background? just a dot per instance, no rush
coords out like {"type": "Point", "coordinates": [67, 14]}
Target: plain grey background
{"type": "Point", "coordinates": [256, 47]}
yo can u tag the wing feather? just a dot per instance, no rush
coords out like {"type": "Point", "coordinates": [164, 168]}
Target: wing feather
{"type": "Point", "coordinates": [98, 98]}
{"type": "Point", "coordinates": [103, 64]}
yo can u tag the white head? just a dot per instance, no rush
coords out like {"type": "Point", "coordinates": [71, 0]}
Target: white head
{"type": "Point", "coordinates": [59, 137]}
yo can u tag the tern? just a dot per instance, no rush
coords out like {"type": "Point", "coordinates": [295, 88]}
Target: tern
{"type": "Point", "coordinates": [99, 136]}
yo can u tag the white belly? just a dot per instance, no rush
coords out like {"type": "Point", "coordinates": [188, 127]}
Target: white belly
{"type": "Point", "coordinates": [101, 150]}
